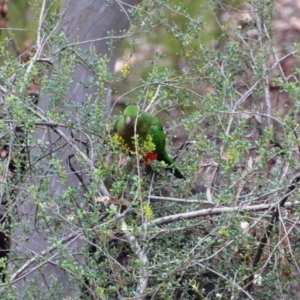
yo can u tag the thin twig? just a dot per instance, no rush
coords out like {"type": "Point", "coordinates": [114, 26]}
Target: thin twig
{"type": "Point", "coordinates": [41, 254]}
{"type": "Point", "coordinates": [274, 219]}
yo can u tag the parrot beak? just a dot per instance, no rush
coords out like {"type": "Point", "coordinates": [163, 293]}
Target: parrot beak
{"type": "Point", "coordinates": [128, 121]}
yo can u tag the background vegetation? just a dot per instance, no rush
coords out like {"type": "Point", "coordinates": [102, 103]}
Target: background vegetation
{"type": "Point", "coordinates": [81, 219]}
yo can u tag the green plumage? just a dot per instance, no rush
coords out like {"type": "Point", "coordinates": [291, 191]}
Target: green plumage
{"type": "Point", "coordinates": [144, 124]}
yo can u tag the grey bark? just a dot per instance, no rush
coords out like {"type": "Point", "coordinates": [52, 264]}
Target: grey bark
{"type": "Point", "coordinates": [37, 262]}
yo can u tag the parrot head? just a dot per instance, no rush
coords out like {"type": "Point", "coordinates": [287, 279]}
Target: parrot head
{"type": "Point", "coordinates": [130, 115]}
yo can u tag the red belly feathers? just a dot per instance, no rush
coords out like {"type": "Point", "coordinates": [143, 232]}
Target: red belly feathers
{"type": "Point", "coordinates": [148, 157]}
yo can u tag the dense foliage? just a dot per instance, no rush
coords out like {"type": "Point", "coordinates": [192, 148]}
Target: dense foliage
{"type": "Point", "coordinates": [217, 76]}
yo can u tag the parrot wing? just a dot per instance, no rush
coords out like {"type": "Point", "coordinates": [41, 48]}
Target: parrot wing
{"type": "Point", "coordinates": [117, 123]}
{"type": "Point", "coordinates": [159, 140]}
{"type": "Point", "coordinates": [157, 134]}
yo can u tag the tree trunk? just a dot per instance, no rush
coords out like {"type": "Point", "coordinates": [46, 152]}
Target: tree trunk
{"type": "Point", "coordinates": [35, 260]}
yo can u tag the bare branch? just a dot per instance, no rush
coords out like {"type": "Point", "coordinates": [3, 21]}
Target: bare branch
{"type": "Point", "coordinates": [140, 253]}
{"type": "Point", "coordinates": [187, 201]}
{"type": "Point", "coordinates": [213, 211]}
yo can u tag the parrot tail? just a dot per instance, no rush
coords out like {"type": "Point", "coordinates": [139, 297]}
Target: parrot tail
{"type": "Point", "coordinates": [173, 168]}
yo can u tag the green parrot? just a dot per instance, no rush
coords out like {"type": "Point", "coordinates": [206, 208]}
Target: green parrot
{"type": "Point", "coordinates": [150, 133]}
